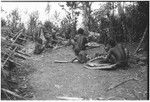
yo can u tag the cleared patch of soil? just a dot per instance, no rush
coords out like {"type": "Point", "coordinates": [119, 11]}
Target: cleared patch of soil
{"type": "Point", "coordinates": [52, 80]}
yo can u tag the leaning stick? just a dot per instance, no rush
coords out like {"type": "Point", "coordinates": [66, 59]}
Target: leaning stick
{"type": "Point", "coordinates": [141, 40]}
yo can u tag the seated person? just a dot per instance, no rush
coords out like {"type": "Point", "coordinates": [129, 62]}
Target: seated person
{"type": "Point", "coordinates": [48, 37]}
{"type": "Point", "coordinates": [68, 34]}
{"type": "Point", "coordinates": [53, 37]}
{"type": "Point", "coordinates": [81, 55]}
{"type": "Point", "coordinates": [117, 54]}
{"type": "Point", "coordinates": [79, 46]}
{"type": "Point", "coordinates": [81, 39]}
{"type": "Point", "coordinates": [38, 46]}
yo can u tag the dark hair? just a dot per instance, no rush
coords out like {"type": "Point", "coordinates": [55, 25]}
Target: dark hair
{"type": "Point", "coordinates": [80, 31]}
{"type": "Point", "coordinates": [111, 42]}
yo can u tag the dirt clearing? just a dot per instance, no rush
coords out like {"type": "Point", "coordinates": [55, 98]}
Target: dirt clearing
{"type": "Point", "coordinates": [52, 80]}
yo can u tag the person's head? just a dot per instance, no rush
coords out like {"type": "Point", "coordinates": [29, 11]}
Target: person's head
{"type": "Point", "coordinates": [110, 43]}
{"type": "Point", "coordinates": [80, 31]}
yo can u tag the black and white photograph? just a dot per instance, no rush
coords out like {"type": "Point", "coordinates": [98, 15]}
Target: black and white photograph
{"type": "Point", "coordinates": [74, 50]}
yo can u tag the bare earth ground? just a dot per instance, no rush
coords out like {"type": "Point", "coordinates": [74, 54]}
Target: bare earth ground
{"type": "Point", "coordinates": [52, 80]}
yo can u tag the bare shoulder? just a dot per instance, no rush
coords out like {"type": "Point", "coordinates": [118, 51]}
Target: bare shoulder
{"type": "Point", "coordinates": [113, 49]}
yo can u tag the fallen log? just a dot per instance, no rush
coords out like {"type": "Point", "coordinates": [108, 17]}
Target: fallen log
{"type": "Point", "coordinates": [23, 53]}
{"type": "Point", "coordinates": [62, 61]}
{"type": "Point", "coordinates": [101, 67]}
{"type": "Point", "coordinates": [69, 98]}
{"type": "Point", "coordinates": [12, 53]}
{"type": "Point", "coordinates": [8, 58]}
{"type": "Point", "coordinates": [15, 62]}
{"type": "Point", "coordinates": [9, 42]}
{"type": "Point", "coordinates": [20, 56]}
{"type": "Point", "coordinates": [16, 37]}
{"type": "Point", "coordinates": [12, 93]}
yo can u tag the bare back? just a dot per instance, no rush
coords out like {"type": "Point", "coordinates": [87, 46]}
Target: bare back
{"type": "Point", "coordinates": [119, 53]}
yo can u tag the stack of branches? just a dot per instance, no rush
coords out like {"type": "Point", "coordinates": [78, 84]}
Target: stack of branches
{"type": "Point", "coordinates": [11, 59]}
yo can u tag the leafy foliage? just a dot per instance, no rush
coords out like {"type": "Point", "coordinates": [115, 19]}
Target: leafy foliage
{"type": "Point", "coordinates": [3, 22]}
{"type": "Point", "coordinates": [14, 21]}
{"type": "Point", "coordinates": [33, 24]}
{"type": "Point", "coordinates": [48, 25]}
{"type": "Point", "coordinates": [126, 24]}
